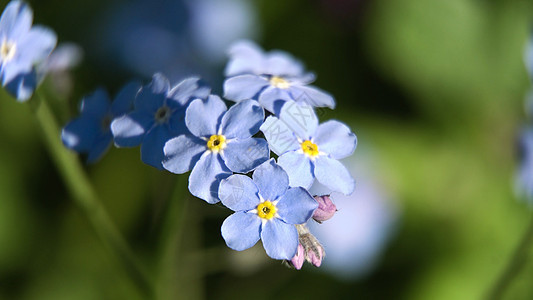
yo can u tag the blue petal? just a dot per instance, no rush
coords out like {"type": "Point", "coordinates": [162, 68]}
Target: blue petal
{"type": "Point", "coordinates": [152, 96]}
{"type": "Point", "coordinates": [189, 89]}
{"type": "Point", "coordinates": [202, 117]}
{"type": "Point", "coordinates": [245, 57]}
{"type": "Point", "coordinates": [281, 63]}
{"type": "Point", "coordinates": [123, 102]}
{"type": "Point", "coordinates": [239, 192]}
{"type": "Point", "coordinates": [243, 87]}
{"type": "Point", "coordinates": [206, 175]}
{"type": "Point", "coordinates": [176, 122]}
{"type": "Point", "coordinates": [271, 180]}
{"type": "Point", "coordinates": [242, 120]}
{"type": "Point", "coordinates": [333, 174]}
{"type": "Point", "coordinates": [182, 152]}
{"type": "Point", "coordinates": [129, 130]}
{"type": "Point", "coordinates": [22, 86]}
{"type": "Point", "coordinates": [243, 156]}
{"type": "Point", "coordinates": [280, 239]}
{"type": "Point", "coordinates": [335, 139]}
{"type": "Point", "coordinates": [273, 98]}
{"type": "Point", "coordinates": [37, 44]}
{"type": "Point", "coordinates": [241, 230]}
{"type": "Point", "coordinates": [298, 167]}
{"type": "Point", "coordinates": [312, 96]}
{"type": "Point", "coordinates": [279, 136]}
{"type": "Point", "coordinates": [99, 148]}
{"type": "Point", "coordinates": [296, 206]}
{"type": "Point", "coordinates": [300, 118]}
{"type": "Point", "coordinates": [153, 144]}
{"type": "Point", "coordinates": [80, 134]}
{"type": "Point", "coordinates": [15, 20]}
{"type": "Point", "coordinates": [95, 104]}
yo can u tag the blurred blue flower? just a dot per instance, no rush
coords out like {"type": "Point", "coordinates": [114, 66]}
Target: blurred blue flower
{"type": "Point", "coordinates": [272, 78]}
{"type": "Point", "coordinates": [265, 208]}
{"type": "Point", "coordinates": [158, 116]}
{"type": "Point", "coordinates": [525, 171]}
{"type": "Point", "coordinates": [307, 150]}
{"type": "Point", "coordinates": [221, 142]}
{"type": "Point", "coordinates": [21, 47]}
{"type": "Point", "coordinates": [90, 132]}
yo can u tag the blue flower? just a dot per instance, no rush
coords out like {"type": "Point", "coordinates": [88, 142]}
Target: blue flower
{"type": "Point", "coordinates": [157, 117]}
{"type": "Point", "coordinates": [271, 78]}
{"type": "Point", "coordinates": [90, 133]}
{"type": "Point", "coordinates": [307, 150]}
{"type": "Point", "coordinates": [21, 47]}
{"type": "Point", "coordinates": [220, 143]}
{"type": "Point", "coordinates": [267, 208]}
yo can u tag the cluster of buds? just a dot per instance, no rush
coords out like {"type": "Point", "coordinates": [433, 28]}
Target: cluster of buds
{"type": "Point", "coordinates": [309, 248]}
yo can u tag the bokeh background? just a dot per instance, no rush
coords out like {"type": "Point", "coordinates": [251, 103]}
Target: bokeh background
{"type": "Point", "coordinates": [434, 90]}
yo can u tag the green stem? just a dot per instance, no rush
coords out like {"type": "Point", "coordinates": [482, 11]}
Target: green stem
{"type": "Point", "coordinates": [514, 265]}
{"type": "Point", "coordinates": [85, 197]}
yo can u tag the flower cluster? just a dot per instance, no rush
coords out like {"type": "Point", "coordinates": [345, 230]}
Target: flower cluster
{"type": "Point", "coordinates": [183, 127]}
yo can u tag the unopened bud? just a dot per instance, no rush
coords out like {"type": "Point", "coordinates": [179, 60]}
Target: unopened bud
{"type": "Point", "coordinates": [326, 208]}
{"type": "Point", "coordinates": [298, 260]}
{"type": "Point", "coordinates": [313, 250]}
{"type": "Point", "coordinates": [315, 256]}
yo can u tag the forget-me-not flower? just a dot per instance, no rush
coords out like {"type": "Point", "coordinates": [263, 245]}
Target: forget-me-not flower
{"type": "Point", "coordinates": [21, 47]}
{"type": "Point", "coordinates": [265, 208]}
{"type": "Point", "coordinates": [157, 117]}
{"type": "Point", "coordinates": [220, 143]}
{"type": "Point", "coordinates": [307, 150]}
{"type": "Point", "coordinates": [272, 78]}
{"type": "Point", "coordinates": [90, 133]}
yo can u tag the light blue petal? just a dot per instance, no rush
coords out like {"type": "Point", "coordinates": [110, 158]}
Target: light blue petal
{"type": "Point", "coordinates": [298, 167]}
{"type": "Point", "coordinates": [243, 87]}
{"type": "Point", "coordinates": [203, 116]}
{"type": "Point", "coordinates": [15, 20]}
{"type": "Point", "coordinates": [300, 118]}
{"type": "Point", "coordinates": [335, 139]}
{"type": "Point", "coordinates": [129, 130]}
{"type": "Point", "coordinates": [189, 89]}
{"type": "Point", "coordinates": [152, 96]}
{"type": "Point", "coordinates": [273, 98]}
{"type": "Point", "coordinates": [95, 104]}
{"type": "Point", "coordinates": [123, 102]}
{"type": "Point", "coordinates": [296, 206]}
{"type": "Point", "coordinates": [99, 148]}
{"type": "Point", "coordinates": [153, 144]}
{"type": "Point", "coordinates": [280, 239]}
{"type": "Point", "coordinates": [244, 57]}
{"type": "Point", "coordinates": [22, 86]}
{"type": "Point", "coordinates": [242, 156]}
{"type": "Point", "coordinates": [80, 134]}
{"type": "Point", "coordinates": [36, 45]}
{"type": "Point", "coordinates": [333, 174]}
{"type": "Point", "coordinates": [241, 230]}
{"type": "Point", "coordinates": [239, 192]}
{"type": "Point", "coordinates": [206, 176]}
{"type": "Point", "coordinates": [271, 180]}
{"type": "Point", "coordinates": [283, 64]}
{"type": "Point", "coordinates": [182, 152]}
{"type": "Point", "coordinates": [312, 96]}
{"type": "Point", "coordinates": [242, 120]}
{"type": "Point", "coordinates": [279, 136]}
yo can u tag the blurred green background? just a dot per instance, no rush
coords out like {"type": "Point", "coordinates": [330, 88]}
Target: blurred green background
{"type": "Point", "coordinates": [434, 91]}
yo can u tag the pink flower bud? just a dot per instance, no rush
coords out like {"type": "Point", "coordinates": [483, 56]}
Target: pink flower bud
{"type": "Point", "coordinates": [326, 208]}
{"type": "Point", "coordinates": [298, 260]}
{"type": "Point", "coordinates": [315, 256]}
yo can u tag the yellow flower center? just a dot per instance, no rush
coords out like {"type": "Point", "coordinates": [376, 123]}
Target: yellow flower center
{"type": "Point", "coordinates": [266, 210]}
{"type": "Point", "coordinates": [8, 50]}
{"type": "Point", "coordinates": [310, 148]}
{"type": "Point", "coordinates": [216, 143]}
{"type": "Point", "coordinates": [279, 82]}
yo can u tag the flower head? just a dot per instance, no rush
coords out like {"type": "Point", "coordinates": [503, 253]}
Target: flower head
{"type": "Point", "coordinates": [272, 78]}
{"type": "Point", "coordinates": [307, 150]}
{"type": "Point", "coordinates": [220, 142]}
{"type": "Point", "coordinates": [21, 47]}
{"type": "Point", "coordinates": [157, 117]}
{"type": "Point", "coordinates": [265, 208]}
{"type": "Point", "coordinates": [90, 133]}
